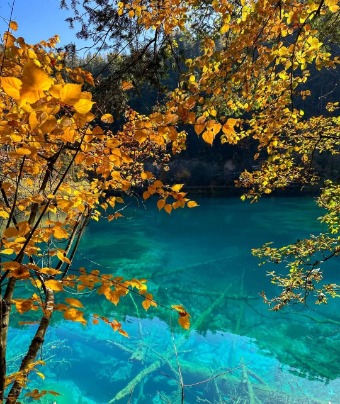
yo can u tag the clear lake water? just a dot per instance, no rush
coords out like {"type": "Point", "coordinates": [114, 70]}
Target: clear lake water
{"type": "Point", "coordinates": [236, 351]}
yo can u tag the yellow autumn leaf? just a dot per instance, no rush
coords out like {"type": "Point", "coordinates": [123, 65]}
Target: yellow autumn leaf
{"type": "Point", "coordinates": [41, 375]}
{"type": "Point", "coordinates": [208, 136]}
{"type": "Point", "coordinates": [11, 86]}
{"type": "Point", "coordinates": [332, 5]}
{"type": "Point", "coordinates": [8, 40]}
{"type": "Point", "coordinates": [69, 135]}
{"type": "Point", "coordinates": [146, 175]}
{"type": "Point", "coordinates": [199, 128]}
{"type": "Point", "coordinates": [82, 119]}
{"type": "Point", "coordinates": [141, 135]}
{"type": "Point", "coordinates": [184, 316]}
{"type": "Point", "coordinates": [74, 302]}
{"type": "Point", "coordinates": [49, 124]}
{"type": "Point", "coordinates": [55, 90]}
{"type": "Point", "coordinates": [126, 85]}
{"type": "Point", "coordinates": [225, 28]}
{"type": "Point", "coordinates": [11, 265]}
{"type": "Point", "coordinates": [177, 187]}
{"type": "Point", "coordinates": [22, 151]}
{"type": "Point", "coordinates": [13, 25]}
{"type": "Point", "coordinates": [16, 138]}
{"type": "Point", "coordinates": [11, 232]}
{"type": "Point", "coordinates": [42, 394]}
{"type": "Point", "coordinates": [23, 305]}
{"type": "Point", "coordinates": [86, 95]}
{"type": "Point", "coordinates": [24, 227]}
{"type": "Point", "coordinates": [35, 394]}
{"type": "Point", "coordinates": [161, 204]}
{"type": "Point", "coordinates": [83, 106]}
{"type": "Point", "coordinates": [73, 314]}
{"type": "Point", "coordinates": [107, 118]}
{"type": "Point", "coordinates": [115, 325]}
{"type": "Point", "coordinates": [158, 184]}
{"type": "Point", "coordinates": [59, 232]}
{"type": "Point", "coordinates": [214, 126]}
{"type": "Point", "coordinates": [97, 131]}
{"type": "Point", "coordinates": [233, 121]}
{"type": "Point", "coordinates": [113, 297]}
{"type": "Point", "coordinates": [179, 308]}
{"type": "Point", "coordinates": [146, 304]}
{"type": "Point", "coordinates": [192, 204]}
{"type": "Point", "coordinates": [148, 301]}
{"type": "Point", "coordinates": [200, 125]}
{"type": "Point", "coordinates": [89, 78]}
{"type": "Point", "coordinates": [4, 214]}
{"type": "Point", "coordinates": [49, 271]}
{"type": "Point", "coordinates": [7, 251]}
{"type": "Point", "coordinates": [63, 257]}
{"type": "Point", "coordinates": [184, 321]}
{"type": "Point", "coordinates": [32, 120]}
{"type": "Point", "coordinates": [34, 78]}
{"type": "Point", "coordinates": [123, 333]}
{"type": "Point", "coordinates": [314, 43]}
{"type": "Point", "coordinates": [168, 208]}
{"type": "Point", "coordinates": [70, 93]}
{"type": "Point", "coordinates": [55, 285]}
{"type": "Point", "coordinates": [176, 205]}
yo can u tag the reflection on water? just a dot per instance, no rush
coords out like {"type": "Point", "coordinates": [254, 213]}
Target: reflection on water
{"type": "Point", "coordinates": [236, 350]}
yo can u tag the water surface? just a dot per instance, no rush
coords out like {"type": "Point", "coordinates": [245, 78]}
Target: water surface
{"type": "Point", "coordinates": [236, 350]}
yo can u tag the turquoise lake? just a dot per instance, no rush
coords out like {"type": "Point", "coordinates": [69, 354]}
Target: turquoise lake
{"type": "Point", "coordinates": [237, 351]}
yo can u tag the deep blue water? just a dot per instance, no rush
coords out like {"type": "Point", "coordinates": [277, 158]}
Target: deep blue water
{"type": "Point", "coordinates": [236, 351]}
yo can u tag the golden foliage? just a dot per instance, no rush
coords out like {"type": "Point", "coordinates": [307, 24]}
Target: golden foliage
{"type": "Point", "coordinates": [67, 163]}
{"type": "Point", "coordinates": [58, 166]}
{"type": "Point", "coordinates": [184, 316]}
{"type": "Point", "coordinates": [37, 395]}
{"type": "Point", "coordinates": [74, 315]}
{"type": "Point", "coordinates": [249, 81]}
{"type": "Point", "coordinates": [74, 302]}
{"type": "Point", "coordinates": [21, 376]}
{"type": "Point", "coordinates": [148, 302]}
{"type": "Point", "coordinates": [58, 169]}
{"type": "Point", "coordinates": [55, 285]}
{"type": "Point", "coordinates": [107, 118]}
{"type": "Point", "coordinates": [13, 25]}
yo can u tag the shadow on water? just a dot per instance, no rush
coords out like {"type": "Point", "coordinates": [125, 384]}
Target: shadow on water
{"type": "Point", "coordinates": [236, 350]}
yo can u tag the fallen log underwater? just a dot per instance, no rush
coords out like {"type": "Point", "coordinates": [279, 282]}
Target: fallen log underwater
{"type": "Point", "coordinates": [247, 387]}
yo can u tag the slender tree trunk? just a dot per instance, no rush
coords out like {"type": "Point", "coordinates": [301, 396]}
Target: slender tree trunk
{"type": "Point", "coordinates": [33, 349]}
{"type": "Point", "coordinates": [5, 314]}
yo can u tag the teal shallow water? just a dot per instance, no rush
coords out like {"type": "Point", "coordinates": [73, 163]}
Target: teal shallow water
{"type": "Point", "coordinates": [236, 351]}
